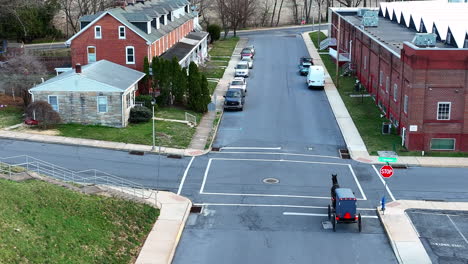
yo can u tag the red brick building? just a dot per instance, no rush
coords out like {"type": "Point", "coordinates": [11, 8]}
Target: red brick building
{"type": "Point", "coordinates": [126, 35]}
{"type": "Point", "coordinates": [419, 81]}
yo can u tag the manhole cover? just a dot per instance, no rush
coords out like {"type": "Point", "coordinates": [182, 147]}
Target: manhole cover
{"type": "Point", "coordinates": [271, 180]}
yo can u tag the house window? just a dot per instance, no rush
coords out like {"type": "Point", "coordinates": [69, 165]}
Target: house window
{"type": "Point", "coordinates": [387, 84]}
{"type": "Point", "coordinates": [365, 62]}
{"type": "Point", "coordinates": [381, 78]}
{"type": "Point", "coordinates": [448, 39]}
{"type": "Point", "coordinates": [395, 92]}
{"type": "Point", "coordinates": [466, 44]}
{"type": "Point", "coordinates": [91, 54]}
{"type": "Point", "coordinates": [443, 144]}
{"type": "Point", "coordinates": [97, 32]}
{"type": "Point", "coordinates": [161, 20]}
{"type": "Point", "coordinates": [121, 32]}
{"type": "Point", "coordinates": [130, 54]}
{"type": "Point", "coordinates": [443, 110]}
{"type": "Point", "coordinates": [53, 101]}
{"type": "Point", "coordinates": [128, 98]}
{"type": "Point", "coordinates": [405, 104]}
{"type": "Point", "coordinates": [102, 104]}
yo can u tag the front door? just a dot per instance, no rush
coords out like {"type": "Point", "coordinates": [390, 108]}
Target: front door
{"type": "Point", "coordinates": [91, 54]}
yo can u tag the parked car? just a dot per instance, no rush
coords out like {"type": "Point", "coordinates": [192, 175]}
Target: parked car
{"type": "Point", "coordinates": [249, 61]}
{"type": "Point", "coordinates": [242, 69]}
{"type": "Point", "coordinates": [234, 99]}
{"type": "Point", "coordinates": [316, 77]}
{"type": "Point", "coordinates": [252, 48]}
{"type": "Point", "coordinates": [246, 52]}
{"type": "Point", "coordinates": [304, 65]}
{"type": "Point", "coordinates": [238, 83]}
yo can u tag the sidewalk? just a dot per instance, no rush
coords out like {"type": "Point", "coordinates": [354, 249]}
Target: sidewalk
{"type": "Point", "coordinates": [205, 127]}
{"type": "Point", "coordinates": [403, 237]}
{"type": "Point", "coordinates": [161, 243]}
{"type": "Point", "coordinates": [356, 147]}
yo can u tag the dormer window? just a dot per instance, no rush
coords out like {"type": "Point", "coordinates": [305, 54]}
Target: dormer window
{"type": "Point", "coordinates": [186, 8]}
{"type": "Point", "coordinates": [162, 19]}
{"type": "Point", "coordinates": [169, 16]}
{"type": "Point", "coordinates": [121, 32]}
{"type": "Point", "coordinates": [97, 32]}
{"type": "Point", "coordinates": [448, 40]}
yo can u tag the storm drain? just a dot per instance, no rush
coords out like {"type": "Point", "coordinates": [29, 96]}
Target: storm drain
{"type": "Point", "coordinates": [136, 152]}
{"type": "Point", "coordinates": [344, 154]}
{"type": "Point", "coordinates": [196, 209]}
{"type": "Point", "coordinates": [271, 180]}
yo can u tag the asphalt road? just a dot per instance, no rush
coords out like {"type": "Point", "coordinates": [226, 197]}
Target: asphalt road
{"type": "Point", "coordinates": [45, 46]}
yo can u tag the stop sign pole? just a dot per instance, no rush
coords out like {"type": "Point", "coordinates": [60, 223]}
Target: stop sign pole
{"type": "Point", "coordinates": [386, 172]}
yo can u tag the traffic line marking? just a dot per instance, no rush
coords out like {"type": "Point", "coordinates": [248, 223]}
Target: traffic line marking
{"type": "Point", "coordinates": [456, 227]}
{"type": "Point", "coordinates": [185, 175]}
{"type": "Point", "coordinates": [280, 153]}
{"type": "Point", "coordinates": [260, 148]}
{"type": "Point", "coordinates": [326, 215]}
{"type": "Point", "coordinates": [383, 182]}
{"type": "Point", "coordinates": [274, 205]}
{"type": "Point", "coordinates": [202, 188]}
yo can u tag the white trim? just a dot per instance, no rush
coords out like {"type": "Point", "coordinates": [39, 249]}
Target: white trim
{"type": "Point", "coordinates": [450, 110]}
{"type": "Point", "coordinates": [405, 104]}
{"type": "Point", "coordinates": [126, 55]}
{"type": "Point", "coordinates": [124, 32]}
{"type": "Point", "coordinates": [68, 42]}
{"type": "Point", "coordinates": [97, 103]}
{"type": "Point", "coordinates": [395, 92]}
{"type": "Point", "coordinates": [48, 101]}
{"type": "Point", "coordinates": [96, 31]}
{"type": "Point", "coordinates": [454, 143]}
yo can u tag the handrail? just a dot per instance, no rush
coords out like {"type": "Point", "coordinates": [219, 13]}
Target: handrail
{"type": "Point", "coordinates": [10, 165]}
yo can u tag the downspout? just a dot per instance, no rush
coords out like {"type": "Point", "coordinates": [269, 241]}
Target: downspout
{"type": "Point", "coordinates": [402, 76]}
{"type": "Point", "coordinates": [378, 81]}
{"type": "Point", "coordinates": [390, 88]}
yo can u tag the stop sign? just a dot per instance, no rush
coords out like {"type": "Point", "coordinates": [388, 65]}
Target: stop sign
{"type": "Point", "coordinates": [386, 171]}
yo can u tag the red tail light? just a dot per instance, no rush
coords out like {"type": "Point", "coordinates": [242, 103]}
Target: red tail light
{"type": "Point", "coordinates": [347, 216]}
{"type": "Point", "coordinates": [337, 218]}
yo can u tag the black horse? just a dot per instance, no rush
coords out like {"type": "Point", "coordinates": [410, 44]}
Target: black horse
{"type": "Point", "coordinates": [333, 188]}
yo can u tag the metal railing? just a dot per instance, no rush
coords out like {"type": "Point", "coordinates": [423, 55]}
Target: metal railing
{"type": "Point", "coordinates": [15, 165]}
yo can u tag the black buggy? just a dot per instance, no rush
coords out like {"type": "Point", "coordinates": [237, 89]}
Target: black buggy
{"type": "Point", "coordinates": [343, 206]}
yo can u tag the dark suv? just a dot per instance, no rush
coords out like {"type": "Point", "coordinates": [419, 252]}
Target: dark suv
{"type": "Point", "coordinates": [234, 99]}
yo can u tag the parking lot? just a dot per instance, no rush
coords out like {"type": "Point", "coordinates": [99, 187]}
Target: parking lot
{"type": "Point", "coordinates": [443, 234]}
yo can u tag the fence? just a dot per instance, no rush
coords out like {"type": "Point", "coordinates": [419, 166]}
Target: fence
{"type": "Point", "coordinates": [12, 166]}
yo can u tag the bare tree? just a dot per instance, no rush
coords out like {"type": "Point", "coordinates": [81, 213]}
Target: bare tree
{"type": "Point", "coordinates": [264, 13]}
{"type": "Point", "coordinates": [349, 3]}
{"type": "Point", "coordinates": [295, 11]}
{"type": "Point", "coordinates": [279, 12]}
{"type": "Point", "coordinates": [223, 15]}
{"type": "Point", "coordinates": [74, 9]}
{"type": "Point", "coordinates": [274, 12]}
{"type": "Point", "coordinates": [203, 8]}
{"type": "Point", "coordinates": [20, 74]}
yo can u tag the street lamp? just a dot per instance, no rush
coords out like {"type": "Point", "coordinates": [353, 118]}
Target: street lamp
{"type": "Point", "coordinates": [153, 102]}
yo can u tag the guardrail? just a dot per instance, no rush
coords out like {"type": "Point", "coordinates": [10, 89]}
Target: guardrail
{"type": "Point", "coordinates": [15, 165]}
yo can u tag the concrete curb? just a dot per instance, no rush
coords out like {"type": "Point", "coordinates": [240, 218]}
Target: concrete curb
{"type": "Point", "coordinates": [403, 237]}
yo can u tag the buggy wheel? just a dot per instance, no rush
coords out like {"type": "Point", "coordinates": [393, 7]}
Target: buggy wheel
{"type": "Point", "coordinates": [329, 212]}
{"type": "Point", "coordinates": [359, 222]}
{"type": "Point", "coordinates": [334, 222]}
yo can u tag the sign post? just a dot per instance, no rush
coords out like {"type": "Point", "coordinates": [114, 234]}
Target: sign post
{"type": "Point", "coordinates": [386, 172]}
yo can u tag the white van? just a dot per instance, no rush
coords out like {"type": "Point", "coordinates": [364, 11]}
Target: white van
{"type": "Point", "coordinates": [316, 77]}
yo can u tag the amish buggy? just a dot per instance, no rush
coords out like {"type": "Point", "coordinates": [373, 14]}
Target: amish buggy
{"type": "Point", "coordinates": [343, 206]}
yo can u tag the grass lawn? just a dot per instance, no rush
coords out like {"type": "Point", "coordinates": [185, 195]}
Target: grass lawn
{"type": "Point", "coordinates": [168, 134]}
{"type": "Point", "coordinates": [314, 38]}
{"type": "Point", "coordinates": [52, 52]}
{"type": "Point", "coordinates": [224, 47]}
{"type": "Point", "coordinates": [176, 113]}
{"type": "Point", "coordinates": [366, 116]}
{"type": "Point", "coordinates": [10, 116]}
{"type": "Point", "coordinates": [213, 71]}
{"type": "Point", "coordinates": [212, 86]}
{"type": "Point", "coordinates": [44, 223]}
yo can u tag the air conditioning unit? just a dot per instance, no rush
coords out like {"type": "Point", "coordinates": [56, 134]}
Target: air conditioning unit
{"type": "Point", "coordinates": [424, 39]}
{"type": "Point", "coordinates": [361, 11]}
{"type": "Point", "coordinates": [386, 128]}
{"type": "Point", "coordinates": [370, 13]}
{"type": "Point", "coordinates": [369, 21]}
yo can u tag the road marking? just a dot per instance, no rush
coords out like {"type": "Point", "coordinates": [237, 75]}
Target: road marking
{"type": "Point", "coordinates": [274, 205]}
{"type": "Point", "coordinates": [456, 227]}
{"type": "Point", "coordinates": [383, 182]}
{"type": "Point", "coordinates": [202, 188]}
{"type": "Point", "coordinates": [309, 214]}
{"type": "Point", "coordinates": [279, 153]}
{"type": "Point", "coordinates": [185, 175]}
{"type": "Point", "coordinates": [260, 148]}
{"type": "Point", "coordinates": [357, 182]}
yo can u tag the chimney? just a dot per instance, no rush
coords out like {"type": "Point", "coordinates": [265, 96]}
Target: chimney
{"type": "Point", "coordinates": [78, 68]}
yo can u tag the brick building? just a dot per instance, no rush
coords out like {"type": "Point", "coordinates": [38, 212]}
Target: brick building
{"type": "Point", "coordinates": [412, 57]}
{"type": "Point", "coordinates": [125, 35]}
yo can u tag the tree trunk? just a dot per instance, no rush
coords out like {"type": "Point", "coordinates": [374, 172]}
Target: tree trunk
{"type": "Point", "coordinates": [273, 15]}
{"type": "Point", "coordinates": [279, 12]}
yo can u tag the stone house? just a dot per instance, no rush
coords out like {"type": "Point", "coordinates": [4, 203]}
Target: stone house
{"type": "Point", "coordinates": [101, 93]}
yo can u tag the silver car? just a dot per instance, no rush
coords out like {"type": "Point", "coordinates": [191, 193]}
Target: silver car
{"type": "Point", "coordinates": [249, 61]}
{"type": "Point", "coordinates": [242, 69]}
{"type": "Point", "coordinates": [239, 83]}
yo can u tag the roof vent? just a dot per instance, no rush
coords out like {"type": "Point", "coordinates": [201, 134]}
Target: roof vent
{"type": "Point", "coordinates": [424, 39]}
{"type": "Point", "coordinates": [361, 11]}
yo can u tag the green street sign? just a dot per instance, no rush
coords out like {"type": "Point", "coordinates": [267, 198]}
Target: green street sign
{"type": "Point", "coordinates": [387, 159]}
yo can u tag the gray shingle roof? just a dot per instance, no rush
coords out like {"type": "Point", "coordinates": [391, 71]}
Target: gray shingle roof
{"type": "Point", "coordinates": [102, 76]}
{"type": "Point", "coordinates": [182, 49]}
